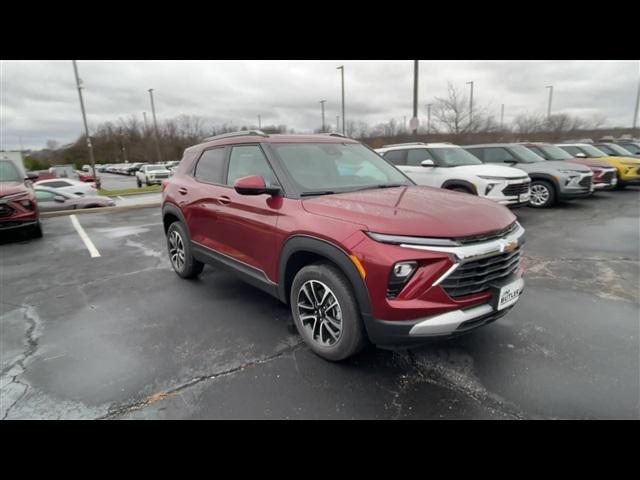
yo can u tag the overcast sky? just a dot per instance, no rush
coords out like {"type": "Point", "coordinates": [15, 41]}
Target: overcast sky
{"type": "Point", "coordinates": [39, 100]}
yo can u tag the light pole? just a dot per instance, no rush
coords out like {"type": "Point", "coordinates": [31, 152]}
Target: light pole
{"type": "Point", "coordinates": [414, 120]}
{"type": "Point", "coordinates": [337, 123]}
{"type": "Point", "coordinates": [341, 68]}
{"type": "Point", "coordinates": [84, 120]}
{"type": "Point", "coordinates": [635, 114]}
{"type": "Point", "coordinates": [470, 105]}
{"type": "Point", "coordinates": [502, 117]}
{"type": "Point", "coordinates": [155, 125]}
{"type": "Point", "coordinates": [322, 106]}
{"type": "Point", "coordinates": [144, 117]}
{"type": "Point", "coordinates": [550, 87]}
{"type": "Point", "coordinates": [429, 118]}
{"type": "Point", "coordinates": [259, 122]}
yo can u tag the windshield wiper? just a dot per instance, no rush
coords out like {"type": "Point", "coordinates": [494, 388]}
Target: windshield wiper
{"type": "Point", "coordinates": [319, 192]}
{"type": "Point", "coordinates": [382, 185]}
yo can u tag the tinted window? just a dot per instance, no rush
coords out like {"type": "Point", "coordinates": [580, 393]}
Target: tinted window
{"type": "Point", "coordinates": [249, 160]}
{"type": "Point", "coordinates": [210, 167]}
{"type": "Point", "coordinates": [415, 156]}
{"type": "Point", "coordinates": [631, 147]}
{"type": "Point", "coordinates": [524, 154]}
{"type": "Point", "coordinates": [56, 184]}
{"type": "Point", "coordinates": [9, 172]}
{"type": "Point", "coordinates": [571, 150]}
{"type": "Point", "coordinates": [397, 157]}
{"type": "Point", "coordinates": [498, 155]}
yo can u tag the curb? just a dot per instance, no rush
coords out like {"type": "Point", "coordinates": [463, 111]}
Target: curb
{"type": "Point", "coordinates": [86, 211]}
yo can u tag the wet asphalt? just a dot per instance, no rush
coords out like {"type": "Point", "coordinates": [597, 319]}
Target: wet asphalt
{"type": "Point", "coordinates": [121, 336]}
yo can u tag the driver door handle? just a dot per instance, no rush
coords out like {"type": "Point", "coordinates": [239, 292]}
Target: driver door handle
{"type": "Point", "coordinates": [224, 200]}
{"type": "Point", "coordinates": [182, 190]}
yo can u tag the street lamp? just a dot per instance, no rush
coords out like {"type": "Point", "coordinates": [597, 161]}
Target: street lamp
{"type": "Point", "coordinates": [550, 87]}
{"type": "Point", "coordinates": [341, 68]}
{"type": "Point", "coordinates": [84, 120]}
{"type": "Point", "coordinates": [155, 125]}
{"type": "Point", "coordinates": [429, 118]}
{"type": "Point", "coordinates": [322, 106]}
{"type": "Point", "coordinates": [470, 105]}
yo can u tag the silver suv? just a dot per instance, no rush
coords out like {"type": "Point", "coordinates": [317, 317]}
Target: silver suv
{"type": "Point", "coordinates": [551, 181]}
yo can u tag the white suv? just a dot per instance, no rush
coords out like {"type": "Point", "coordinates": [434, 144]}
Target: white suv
{"type": "Point", "coordinates": [449, 166]}
{"type": "Point", "coordinates": [151, 174]}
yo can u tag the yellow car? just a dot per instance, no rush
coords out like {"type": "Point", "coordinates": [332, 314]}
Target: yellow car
{"type": "Point", "coordinates": [628, 167]}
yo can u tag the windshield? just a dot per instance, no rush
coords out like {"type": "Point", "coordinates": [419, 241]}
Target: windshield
{"type": "Point", "coordinates": [592, 152]}
{"type": "Point", "coordinates": [525, 155]}
{"type": "Point", "coordinates": [634, 148]}
{"type": "Point", "coordinates": [551, 152]}
{"type": "Point", "coordinates": [615, 149]}
{"type": "Point", "coordinates": [9, 172]}
{"type": "Point", "coordinates": [454, 157]}
{"type": "Point", "coordinates": [332, 167]}
{"type": "Point", "coordinates": [155, 168]}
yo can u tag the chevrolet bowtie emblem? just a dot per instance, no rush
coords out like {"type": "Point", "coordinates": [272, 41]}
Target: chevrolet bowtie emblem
{"type": "Point", "coordinates": [510, 247]}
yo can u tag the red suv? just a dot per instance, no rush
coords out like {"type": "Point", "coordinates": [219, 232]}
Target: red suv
{"type": "Point", "coordinates": [18, 204]}
{"type": "Point", "coordinates": [356, 249]}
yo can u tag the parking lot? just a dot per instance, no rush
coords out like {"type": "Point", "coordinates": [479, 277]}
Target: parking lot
{"type": "Point", "coordinates": [120, 335]}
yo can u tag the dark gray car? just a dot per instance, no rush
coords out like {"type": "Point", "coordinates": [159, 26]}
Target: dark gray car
{"type": "Point", "coordinates": [50, 199]}
{"type": "Point", "coordinates": [550, 180]}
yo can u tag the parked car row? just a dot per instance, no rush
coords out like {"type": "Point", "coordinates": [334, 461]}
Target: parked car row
{"type": "Point", "coordinates": [516, 174]}
{"type": "Point", "coordinates": [132, 168]}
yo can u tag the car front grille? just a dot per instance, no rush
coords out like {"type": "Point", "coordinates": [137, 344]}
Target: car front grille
{"type": "Point", "coordinates": [516, 189]}
{"type": "Point", "coordinates": [5, 210]}
{"type": "Point", "coordinates": [477, 275]}
{"type": "Point", "coordinates": [585, 182]}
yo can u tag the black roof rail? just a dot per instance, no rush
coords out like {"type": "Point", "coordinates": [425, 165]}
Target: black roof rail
{"type": "Point", "coordinates": [241, 133]}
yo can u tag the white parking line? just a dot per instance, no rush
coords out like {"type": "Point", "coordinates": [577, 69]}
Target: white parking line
{"type": "Point", "coordinates": [85, 238]}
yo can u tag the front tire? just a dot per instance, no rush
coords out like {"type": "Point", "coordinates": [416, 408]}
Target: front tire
{"type": "Point", "coordinates": [180, 252]}
{"type": "Point", "coordinates": [620, 185]}
{"type": "Point", "coordinates": [543, 194]}
{"type": "Point", "coordinates": [139, 183]}
{"type": "Point", "coordinates": [326, 313]}
{"type": "Point", "coordinates": [36, 231]}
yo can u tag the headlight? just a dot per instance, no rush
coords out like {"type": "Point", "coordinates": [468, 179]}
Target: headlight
{"type": "Point", "coordinates": [489, 188]}
{"type": "Point", "coordinates": [569, 173]}
{"type": "Point", "coordinates": [488, 177]}
{"type": "Point", "coordinates": [398, 239]}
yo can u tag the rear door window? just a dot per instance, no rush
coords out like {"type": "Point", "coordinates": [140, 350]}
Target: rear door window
{"type": "Point", "coordinates": [210, 167]}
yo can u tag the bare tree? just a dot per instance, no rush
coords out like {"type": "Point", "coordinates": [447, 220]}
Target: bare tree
{"type": "Point", "coordinates": [451, 113]}
{"type": "Point", "coordinates": [52, 145]}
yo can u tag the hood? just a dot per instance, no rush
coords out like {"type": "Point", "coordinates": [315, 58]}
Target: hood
{"type": "Point", "coordinates": [490, 170]}
{"type": "Point", "coordinates": [590, 162]}
{"type": "Point", "coordinates": [552, 166]}
{"type": "Point", "coordinates": [628, 160]}
{"type": "Point", "coordinates": [11, 188]}
{"type": "Point", "coordinates": [414, 211]}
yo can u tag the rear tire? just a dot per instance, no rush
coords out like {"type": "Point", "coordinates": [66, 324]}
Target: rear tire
{"type": "Point", "coordinates": [139, 183]}
{"type": "Point", "coordinates": [333, 333]}
{"type": "Point", "coordinates": [180, 252]}
{"type": "Point", "coordinates": [543, 194]}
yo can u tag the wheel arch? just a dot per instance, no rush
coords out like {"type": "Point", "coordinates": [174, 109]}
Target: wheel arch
{"type": "Point", "coordinates": [547, 177]}
{"type": "Point", "coordinates": [170, 214]}
{"type": "Point", "coordinates": [300, 249]}
{"type": "Point", "coordinates": [449, 184]}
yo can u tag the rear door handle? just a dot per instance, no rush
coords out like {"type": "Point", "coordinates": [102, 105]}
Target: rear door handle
{"type": "Point", "coordinates": [182, 190]}
{"type": "Point", "coordinates": [224, 200]}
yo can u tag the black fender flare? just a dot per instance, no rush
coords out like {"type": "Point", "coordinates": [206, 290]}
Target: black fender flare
{"type": "Point", "coordinates": [460, 183]}
{"type": "Point", "coordinates": [304, 243]}
{"type": "Point", "coordinates": [548, 177]}
{"type": "Point", "coordinates": [170, 208]}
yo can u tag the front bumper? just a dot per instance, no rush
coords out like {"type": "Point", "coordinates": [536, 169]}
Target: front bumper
{"type": "Point", "coordinates": [15, 224]}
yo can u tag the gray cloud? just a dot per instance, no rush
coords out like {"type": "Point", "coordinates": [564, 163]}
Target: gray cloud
{"type": "Point", "coordinates": [39, 100]}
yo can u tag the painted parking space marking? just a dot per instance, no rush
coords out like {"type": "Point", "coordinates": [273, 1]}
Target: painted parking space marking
{"type": "Point", "coordinates": [85, 238]}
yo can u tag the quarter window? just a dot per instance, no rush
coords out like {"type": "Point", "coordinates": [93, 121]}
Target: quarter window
{"type": "Point", "coordinates": [210, 167]}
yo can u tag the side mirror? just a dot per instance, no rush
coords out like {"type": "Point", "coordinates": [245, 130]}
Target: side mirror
{"type": "Point", "coordinates": [427, 163]}
{"type": "Point", "coordinates": [254, 185]}
{"type": "Point", "coordinates": [31, 176]}
{"type": "Point", "coordinates": [59, 199]}
{"type": "Point", "coordinates": [580, 155]}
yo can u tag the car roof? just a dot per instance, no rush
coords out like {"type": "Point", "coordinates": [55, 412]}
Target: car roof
{"type": "Point", "coordinates": [276, 138]}
{"type": "Point", "coordinates": [489, 145]}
